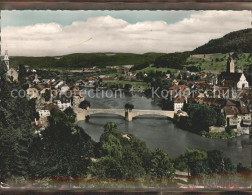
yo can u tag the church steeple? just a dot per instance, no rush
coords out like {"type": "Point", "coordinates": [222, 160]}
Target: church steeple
{"type": "Point", "coordinates": [6, 59]}
{"type": "Point", "coordinates": [230, 64]}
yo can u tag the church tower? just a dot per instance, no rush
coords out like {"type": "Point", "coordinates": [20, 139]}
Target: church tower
{"type": "Point", "coordinates": [6, 59]}
{"type": "Point", "coordinates": [230, 65]}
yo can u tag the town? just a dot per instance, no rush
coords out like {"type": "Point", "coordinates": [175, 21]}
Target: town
{"type": "Point", "coordinates": [94, 101]}
{"type": "Point", "coordinates": [227, 92]}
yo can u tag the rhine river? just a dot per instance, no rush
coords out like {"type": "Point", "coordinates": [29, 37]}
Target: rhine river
{"type": "Point", "coordinates": [158, 131]}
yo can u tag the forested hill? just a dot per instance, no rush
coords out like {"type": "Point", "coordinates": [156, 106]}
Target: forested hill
{"type": "Point", "coordinates": [85, 60]}
{"type": "Point", "coordinates": [238, 41]}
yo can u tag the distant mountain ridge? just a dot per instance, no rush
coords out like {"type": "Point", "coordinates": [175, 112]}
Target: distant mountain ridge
{"type": "Point", "coordinates": [238, 41]}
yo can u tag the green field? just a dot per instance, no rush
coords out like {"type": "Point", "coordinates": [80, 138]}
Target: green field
{"type": "Point", "coordinates": [218, 61]}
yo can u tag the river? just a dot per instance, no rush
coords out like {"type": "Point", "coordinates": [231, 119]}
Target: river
{"type": "Point", "coordinates": [160, 132]}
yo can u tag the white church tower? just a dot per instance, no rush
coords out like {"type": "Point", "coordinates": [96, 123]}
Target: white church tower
{"type": "Point", "coordinates": [6, 59]}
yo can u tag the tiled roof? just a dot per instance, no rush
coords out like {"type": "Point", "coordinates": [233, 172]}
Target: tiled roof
{"type": "Point", "coordinates": [179, 100]}
{"type": "Point", "coordinates": [231, 77]}
{"type": "Point", "coordinates": [50, 107]}
{"type": "Point", "coordinates": [231, 110]}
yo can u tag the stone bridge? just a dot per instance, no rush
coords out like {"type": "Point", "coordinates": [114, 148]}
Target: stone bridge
{"type": "Point", "coordinates": [127, 114]}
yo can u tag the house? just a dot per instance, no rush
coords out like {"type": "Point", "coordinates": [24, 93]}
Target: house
{"type": "Point", "coordinates": [32, 92]}
{"type": "Point", "coordinates": [12, 75]}
{"type": "Point", "coordinates": [36, 80]}
{"type": "Point", "coordinates": [62, 102]}
{"type": "Point", "coordinates": [178, 103]}
{"type": "Point", "coordinates": [176, 81]}
{"type": "Point", "coordinates": [45, 112]}
{"type": "Point", "coordinates": [215, 103]}
{"type": "Point", "coordinates": [77, 95]}
{"type": "Point", "coordinates": [238, 117]}
{"type": "Point", "coordinates": [58, 84]}
{"type": "Point", "coordinates": [64, 89]}
{"type": "Point", "coordinates": [176, 90]}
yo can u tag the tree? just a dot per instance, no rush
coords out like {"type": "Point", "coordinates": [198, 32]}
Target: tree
{"type": "Point", "coordinates": [16, 133]}
{"type": "Point", "coordinates": [193, 157]}
{"type": "Point", "coordinates": [85, 104]}
{"type": "Point", "coordinates": [162, 166]}
{"type": "Point", "coordinates": [182, 82]}
{"type": "Point", "coordinates": [64, 150]}
{"type": "Point", "coordinates": [71, 114]}
{"type": "Point", "coordinates": [220, 120]}
{"type": "Point", "coordinates": [129, 106]}
{"type": "Point", "coordinates": [127, 87]}
{"type": "Point", "coordinates": [21, 72]}
{"type": "Point", "coordinates": [218, 163]}
{"type": "Point", "coordinates": [242, 169]}
{"type": "Point", "coordinates": [201, 116]}
{"type": "Point", "coordinates": [3, 71]}
{"type": "Point", "coordinates": [107, 167]}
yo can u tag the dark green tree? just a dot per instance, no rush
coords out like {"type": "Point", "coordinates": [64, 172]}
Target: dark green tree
{"type": "Point", "coordinates": [162, 166]}
{"type": "Point", "coordinates": [85, 104]}
{"type": "Point", "coordinates": [201, 116]}
{"type": "Point", "coordinates": [220, 120]}
{"type": "Point", "coordinates": [21, 72]}
{"type": "Point", "coordinates": [129, 106]}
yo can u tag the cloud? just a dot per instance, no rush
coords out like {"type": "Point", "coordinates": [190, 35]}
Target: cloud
{"type": "Point", "coordinates": [116, 35]}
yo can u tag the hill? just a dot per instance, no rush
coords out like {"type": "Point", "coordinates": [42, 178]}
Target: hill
{"type": "Point", "coordinates": [85, 60]}
{"type": "Point", "coordinates": [238, 41]}
{"type": "Point", "coordinates": [210, 56]}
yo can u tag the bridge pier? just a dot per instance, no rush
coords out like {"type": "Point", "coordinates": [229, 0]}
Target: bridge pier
{"type": "Point", "coordinates": [128, 115]}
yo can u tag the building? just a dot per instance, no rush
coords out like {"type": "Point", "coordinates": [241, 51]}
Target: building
{"type": "Point", "coordinates": [62, 102]}
{"type": "Point", "coordinates": [237, 117]}
{"type": "Point", "coordinates": [12, 75]}
{"type": "Point", "coordinates": [230, 78]}
{"type": "Point", "coordinates": [236, 80]}
{"type": "Point", "coordinates": [178, 103]}
{"type": "Point", "coordinates": [44, 113]}
{"type": "Point", "coordinates": [230, 65]}
{"type": "Point", "coordinates": [6, 59]}
{"type": "Point", "coordinates": [11, 72]}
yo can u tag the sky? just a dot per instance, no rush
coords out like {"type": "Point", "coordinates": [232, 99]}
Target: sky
{"type": "Point", "coordinates": [54, 33]}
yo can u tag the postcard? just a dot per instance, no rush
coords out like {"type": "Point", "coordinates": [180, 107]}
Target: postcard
{"type": "Point", "coordinates": [125, 100]}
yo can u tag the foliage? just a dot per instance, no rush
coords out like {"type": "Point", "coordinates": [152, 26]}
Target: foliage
{"type": "Point", "coordinates": [127, 87]}
{"type": "Point", "coordinates": [200, 162]}
{"type": "Point", "coordinates": [16, 133]}
{"type": "Point", "coordinates": [128, 157]}
{"type": "Point", "coordinates": [129, 106]}
{"type": "Point", "coordinates": [238, 41]}
{"type": "Point", "coordinates": [172, 60]}
{"type": "Point", "coordinates": [201, 116]}
{"type": "Point", "coordinates": [63, 151]}
{"type": "Point", "coordinates": [85, 104]}
{"type": "Point", "coordinates": [85, 60]}
{"type": "Point", "coordinates": [139, 66]}
{"type": "Point", "coordinates": [220, 120]}
{"type": "Point", "coordinates": [70, 114]}
{"type": "Point", "coordinates": [242, 169]}
{"type": "Point", "coordinates": [3, 71]}
{"type": "Point", "coordinates": [219, 135]}
{"type": "Point", "coordinates": [162, 166]}
{"type": "Point", "coordinates": [21, 72]}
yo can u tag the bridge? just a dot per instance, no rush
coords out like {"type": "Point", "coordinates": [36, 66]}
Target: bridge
{"type": "Point", "coordinates": [81, 114]}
